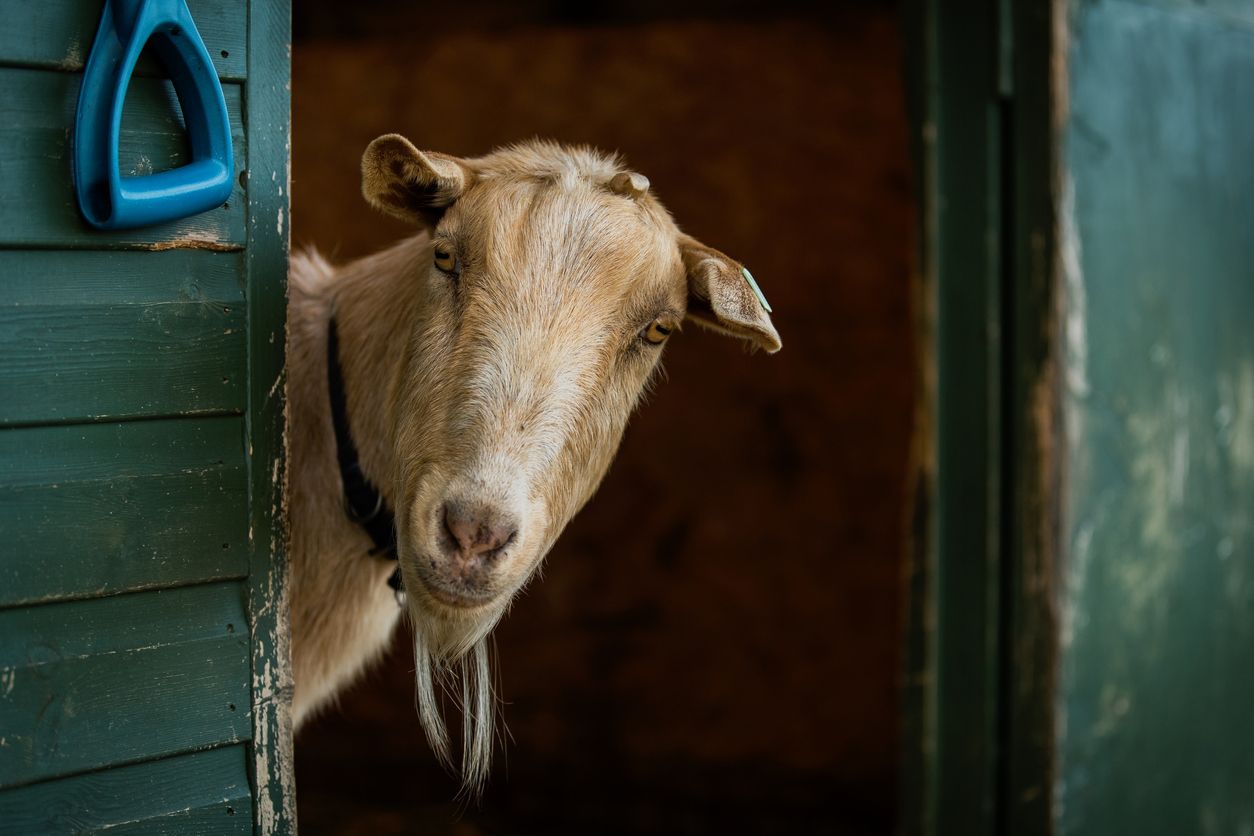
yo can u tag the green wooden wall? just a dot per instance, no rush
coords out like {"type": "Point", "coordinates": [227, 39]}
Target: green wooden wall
{"type": "Point", "coordinates": [1082, 579]}
{"type": "Point", "coordinates": [1156, 638]}
{"type": "Point", "coordinates": [143, 672]}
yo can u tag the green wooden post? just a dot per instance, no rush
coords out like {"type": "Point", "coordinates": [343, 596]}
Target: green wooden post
{"type": "Point", "coordinates": [960, 105]}
{"type": "Point", "coordinates": [269, 223]}
{"type": "Point", "coordinates": [143, 666]}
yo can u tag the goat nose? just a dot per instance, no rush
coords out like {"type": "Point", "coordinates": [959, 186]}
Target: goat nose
{"type": "Point", "coordinates": [476, 532]}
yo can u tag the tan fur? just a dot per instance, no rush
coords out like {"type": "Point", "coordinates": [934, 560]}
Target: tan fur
{"type": "Point", "coordinates": [508, 387]}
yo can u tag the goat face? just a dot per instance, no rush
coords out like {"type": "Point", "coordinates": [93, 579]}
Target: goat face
{"type": "Point", "coordinates": [548, 289]}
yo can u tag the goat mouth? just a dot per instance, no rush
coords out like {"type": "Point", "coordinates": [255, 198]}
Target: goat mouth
{"type": "Point", "coordinates": [453, 597]}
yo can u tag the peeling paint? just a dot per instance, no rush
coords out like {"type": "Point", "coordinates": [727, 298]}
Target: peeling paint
{"type": "Point", "coordinates": [1075, 335]}
{"type": "Point", "coordinates": [73, 59]}
{"type": "Point", "coordinates": [1158, 523]}
{"type": "Point", "coordinates": [189, 243]}
{"type": "Point", "coordinates": [142, 167]}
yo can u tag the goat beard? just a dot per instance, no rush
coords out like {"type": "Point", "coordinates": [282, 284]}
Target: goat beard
{"type": "Point", "coordinates": [452, 663]}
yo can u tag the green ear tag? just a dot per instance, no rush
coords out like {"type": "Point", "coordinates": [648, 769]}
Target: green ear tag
{"type": "Point", "coordinates": [757, 290]}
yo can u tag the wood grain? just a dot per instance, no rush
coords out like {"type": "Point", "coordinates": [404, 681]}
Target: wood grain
{"type": "Point", "coordinates": [1156, 542]}
{"type": "Point", "coordinates": [87, 684]}
{"type": "Point", "coordinates": [101, 335]}
{"type": "Point", "coordinates": [58, 35]}
{"type": "Point", "coordinates": [200, 793]}
{"type": "Point", "coordinates": [269, 215]}
{"type": "Point", "coordinates": [97, 509]}
{"type": "Point", "coordinates": [36, 127]}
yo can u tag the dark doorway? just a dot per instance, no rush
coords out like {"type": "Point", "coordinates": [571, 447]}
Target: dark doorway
{"type": "Point", "coordinates": [714, 646]}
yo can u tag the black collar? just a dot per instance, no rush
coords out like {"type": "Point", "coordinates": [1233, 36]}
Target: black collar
{"type": "Point", "coordinates": [362, 501]}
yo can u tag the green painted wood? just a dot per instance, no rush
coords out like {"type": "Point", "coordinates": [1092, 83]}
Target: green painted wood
{"type": "Point", "coordinates": [981, 637]}
{"type": "Point", "coordinates": [121, 622]}
{"type": "Point", "coordinates": [58, 34]}
{"type": "Point", "coordinates": [201, 793]}
{"type": "Point", "coordinates": [952, 700]}
{"type": "Point", "coordinates": [1031, 426]}
{"type": "Point", "coordinates": [87, 684]}
{"type": "Point", "coordinates": [968, 121]}
{"type": "Point", "coordinates": [1154, 706]}
{"type": "Point", "coordinates": [917, 701]}
{"type": "Point", "coordinates": [1127, 490]}
{"type": "Point", "coordinates": [39, 208]}
{"type": "Point", "coordinates": [59, 455]}
{"type": "Point", "coordinates": [269, 126]}
{"type": "Point", "coordinates": [77, 343]}
{"type": "Point", "coordinates": [210, 820]}
{"type": "Point", "coordinates": [102, 508]}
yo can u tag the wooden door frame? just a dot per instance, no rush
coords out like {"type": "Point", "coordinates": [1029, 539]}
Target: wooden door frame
{"type": "Point", "coordinates": [268, 93]}
{"type": "Point", "coordinates": [980, 653]}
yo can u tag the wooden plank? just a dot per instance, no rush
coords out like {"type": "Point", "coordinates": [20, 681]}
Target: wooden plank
{"type": "Point", "coordinates": [269, 126]}
{"type": "Point", "coordinates": [1157, 597]}
{"type": "Point", "coordinates": [917, 765]}
{"type": "Point", "coordinates": [37, 203]}
{"type": "Point", "coordinates": [96, 335]}
{"type": "Point", "coordinates": [224, 816]}
{"type": "Point", "coordinates": [200, 793]}
{"type": "Point", "coordinates": [88, 684]}
{"type": "Point", "coordinates": [952, 699]}
{"type": "Point", "coordinates": [60, 455]}
{"type": "Point", "coordinates": [58, 34]}
{"type": "Point", "coordinates": [1033, 433]}
{"type": "Point", "coordinates": [96, 509]}
{"type": "Point", "coordinates": [34, 636]}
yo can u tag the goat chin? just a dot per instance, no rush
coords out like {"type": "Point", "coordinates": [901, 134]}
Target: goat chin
{"type": "Point", "coordinates": [452, 659]}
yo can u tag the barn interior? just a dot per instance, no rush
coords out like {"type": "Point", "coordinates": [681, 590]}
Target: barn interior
{"type": "Point", "coordinates": [715, 645]}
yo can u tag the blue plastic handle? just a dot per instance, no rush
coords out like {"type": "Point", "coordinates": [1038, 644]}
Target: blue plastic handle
{"type": "Point", "coordinates": [107, 199]}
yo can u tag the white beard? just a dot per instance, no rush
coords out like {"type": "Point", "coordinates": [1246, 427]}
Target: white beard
{"type": "Point", "coordinates": [448, 652]}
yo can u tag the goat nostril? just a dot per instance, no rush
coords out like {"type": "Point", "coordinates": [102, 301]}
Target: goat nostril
{"type": "Point", "coordinates": [483, 532]}
{"type": "Point", "coordinates": [500, 539]}
{"type": "Point", "coordinates": [448, 528]}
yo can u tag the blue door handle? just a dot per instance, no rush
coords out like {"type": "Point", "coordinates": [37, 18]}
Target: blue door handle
{"type": "Point", "coordinates": [107, 199]}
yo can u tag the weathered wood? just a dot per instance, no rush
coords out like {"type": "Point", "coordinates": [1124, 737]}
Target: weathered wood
{"type": "Point", "coordinates": [1127, 488]}
{"type": "Point", "coordinates": [269, 126]}
{"type": "Point", "coordinates": [58, 34]}
{"type": "Point", "coordinates": [100, 508]}
{"type": "Point", "coordinates": [89, 332]}
{"type": "Point", "coordinates": [952, 699]}
{"type": "Point", "coordinates": [200, 793]}
{"type": "Point", "coordinates": [37, 203]}
{"type": "Point", "coordinates": [1032, 431]}
{"type": "Point", "coordinates": [213, 819]}
{"type": "Point", "coordinates": [88, 684]}
{"type": "Point", "coordinates": [79, 629]}
{"type": "Point", "coordinates": [96, 335]}
{"type": "Point", "coordinates": [1157, 605]}
{"type": "Point", "coordinates": [61, 455]}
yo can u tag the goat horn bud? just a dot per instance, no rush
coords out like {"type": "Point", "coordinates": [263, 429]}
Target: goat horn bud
{"type": "Point", "coordinates": [630, 184]}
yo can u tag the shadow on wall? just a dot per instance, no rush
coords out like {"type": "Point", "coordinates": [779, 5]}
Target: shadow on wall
{"type": "Point", "coordinates": [714, 645]}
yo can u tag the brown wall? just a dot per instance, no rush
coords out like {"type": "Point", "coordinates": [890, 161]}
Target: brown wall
{"type": "Point", "coordinates": [714, 643]}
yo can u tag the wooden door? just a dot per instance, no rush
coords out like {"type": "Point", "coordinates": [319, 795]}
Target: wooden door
{"type": "Point", "coordinates": [143, 666]}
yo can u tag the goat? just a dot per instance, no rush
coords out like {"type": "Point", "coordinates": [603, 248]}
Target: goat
{"type": "Point", "coordinates": [489, 365]}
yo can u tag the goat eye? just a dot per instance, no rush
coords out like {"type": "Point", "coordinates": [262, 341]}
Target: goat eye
{"type": "Point", "coordinates": [445, 260]}
{"type": "Point", "coordinates": [658, 330]}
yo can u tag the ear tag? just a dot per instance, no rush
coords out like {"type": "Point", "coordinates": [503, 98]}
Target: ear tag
{"type": "Point", "coordinates": [766, 306]}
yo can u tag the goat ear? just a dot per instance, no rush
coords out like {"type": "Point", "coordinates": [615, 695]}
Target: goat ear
{"type": "Point", "coordinates": [412, 185]}
{"type": "Point", "coordinates": [722, 298]}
